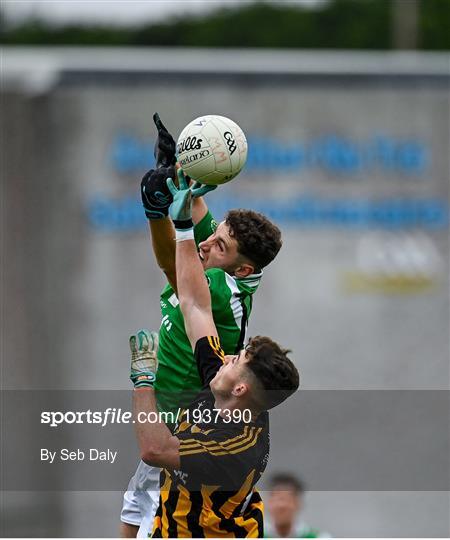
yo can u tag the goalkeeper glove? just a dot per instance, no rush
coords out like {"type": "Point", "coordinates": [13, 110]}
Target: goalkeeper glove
{"type": "Point", "coordinates": [180, 210]}
{"type": "Point", "coordinates": [156, 196]}
{"type": "Point", "coordinates": [199, 189]}
{"type": "Point", "coordinates": [164, 146]}
{"type": "Point", "coordinates": [144, 349]}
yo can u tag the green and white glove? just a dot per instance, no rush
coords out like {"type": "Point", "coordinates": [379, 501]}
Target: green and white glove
{"type": "Point", "coordinates": [199, 189]}
{"type": "Point", "coordinates": [180, 210]}
{"type": "Point", "coordinates": [144, 362]}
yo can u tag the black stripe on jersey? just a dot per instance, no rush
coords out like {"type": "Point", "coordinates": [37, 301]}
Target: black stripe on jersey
{"type": "Point", "coordinates": [171, 502]}
{"type": "Point", "coordinates": [157, 528]}
{"type": "Point", "coordinates": [240, 342]}
{"type": "Point", "coordinates": [256, 512]}
{"type": "Point", "coordinates": [157, 519]}
{"type": "Point", "coordinates": [219, 498]}
{"type": "Point", "coordinates": [193, 517]}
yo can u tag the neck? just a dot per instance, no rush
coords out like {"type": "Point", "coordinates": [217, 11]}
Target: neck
{"type": "Point", "coordinates": [231, 404]}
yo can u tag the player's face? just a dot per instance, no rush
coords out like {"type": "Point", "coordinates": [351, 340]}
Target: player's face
{"type": "Point", "coordinates": [283, 505]}
{"type": "Point", "coordinates": [220, 250]}
{"type": "Point", "coordinates": [229, 374]}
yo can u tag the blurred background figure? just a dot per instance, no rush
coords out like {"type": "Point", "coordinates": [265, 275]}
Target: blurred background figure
{"type": "Point", "coordinates": [284, 505]}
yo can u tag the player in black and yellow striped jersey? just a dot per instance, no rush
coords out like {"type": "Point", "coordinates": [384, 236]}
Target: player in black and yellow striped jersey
{"type": "Point", "coordinates": [215, 457]}
{"type": "Point", "coordinates": [220, 462]}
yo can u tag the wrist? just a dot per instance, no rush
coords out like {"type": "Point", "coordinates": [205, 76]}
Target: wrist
{"type": "Point", "coordinates": [153, 215]}
{"type": "Point", "coordinates": [140, 388]}
{"type": "Point", "coordinates": [182, 235]}
{"type": "Point", "coordinates": [183, 224]}
{"type": "Point", "coordinates": [143, 380]}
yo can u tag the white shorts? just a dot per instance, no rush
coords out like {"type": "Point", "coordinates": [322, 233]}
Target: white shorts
{"type": "Point", "coordinates": [141, 499]}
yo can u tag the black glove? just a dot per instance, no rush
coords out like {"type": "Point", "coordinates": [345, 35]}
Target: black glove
{"type": "Point", "coordinates": [165, 145]}
{"type": "Point", "coordinates": [156, 197]}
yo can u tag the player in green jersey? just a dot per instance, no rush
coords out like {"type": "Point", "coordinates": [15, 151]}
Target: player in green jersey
{"type": "Point", "coordinates": [233, 255]}
{"type": "Point", "coordinates": [231, 295]}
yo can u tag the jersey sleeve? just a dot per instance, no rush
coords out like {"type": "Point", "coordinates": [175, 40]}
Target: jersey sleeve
{"type": "Point", "coordinates": [219, 456]}
{"type": "Point", "coordinates": [201, 457]}
{"type": "Point", "coordinates": [204, 228]}
{"type": "Point", "coordinates": [209, 357]}
{"type": "Point", "coordinates": [230, 310]}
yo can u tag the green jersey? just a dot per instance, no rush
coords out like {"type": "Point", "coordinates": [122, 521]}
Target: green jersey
{"type": "Point", "coordinates": [301, 530]}
{"type": "Point", "coordinates": [177, 380]}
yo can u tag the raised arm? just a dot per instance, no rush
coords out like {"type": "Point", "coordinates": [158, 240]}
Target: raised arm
{"type": "Point", "coordinates": [156, 199]}
{"type": "Point", "coordinates": [193, 290]}
{"type": "Point", "coordinates": [158, 447]}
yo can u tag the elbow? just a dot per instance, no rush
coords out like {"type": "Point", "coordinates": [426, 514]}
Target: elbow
{"type": "Point", "coordinates": [189, 305]}
{"type": "Point", "coordinates": [153, 455]}
{"type": "Point", "coordinates": [186, 304]}
{"type": "Point", "coordinates": [167, 271]}
{"type": "Point", "coordinates": [149, 457]}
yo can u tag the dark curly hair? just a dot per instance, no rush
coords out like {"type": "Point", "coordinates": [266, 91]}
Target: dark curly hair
{"type": "Point", "coordinates": [277, 376]}
{"type": "Point", "coordinates": [258, 238]}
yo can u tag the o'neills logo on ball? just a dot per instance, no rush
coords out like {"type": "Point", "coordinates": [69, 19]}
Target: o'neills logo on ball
{"type": "Point", "coordinates": [190, 143]}
{"type": "Point", "coordinates": [194, 157]}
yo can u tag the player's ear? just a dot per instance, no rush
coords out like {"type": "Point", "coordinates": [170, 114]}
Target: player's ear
{"type": "Point", "coordinates": [244, 270]}
{"type": "Point", "coordinates": [240, 389]}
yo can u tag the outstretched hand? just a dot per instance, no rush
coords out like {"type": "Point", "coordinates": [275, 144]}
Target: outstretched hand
{"type": "Point", "coordinates": [144, 362]}
{"type": "Point", "coordinates": [155, 194]}
{"type": "Point", "coordinates": [198, 189]}
{"type": "Point", "coordinates": [180, 210]}
{"type": "Point", "coordinates": [165, 147]}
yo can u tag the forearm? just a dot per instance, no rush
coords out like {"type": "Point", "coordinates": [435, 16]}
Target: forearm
{"type": "Point", "coordinates": [163, 242]}
{"type": "Point", "coordinates": [193, 293]}
{"type": "Point", "coordinates": [199, 210]}
{"type": "Point", "coordinates": [192, 284]}
{"type": "Point", "coordinates": [157, 445]}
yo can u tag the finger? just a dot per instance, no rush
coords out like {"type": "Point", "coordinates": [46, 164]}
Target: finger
{"type": "Point", "coordinates": [181, 179]}
{"type": "Point", "coordinates": [150, 340]}
{"type": "Point", "coordinates": [172, 187]}
{"type": "Point", "coordinates": [155, 339]}
{"type": "Point", "coordinates": [188, 197]}
{"type": "Point", "coordinates": [132, 342]}
{"type": "Point", "coordinates": [143, 340]}
{"type": "Point", "coordinates": [202, 190]}
{"type": "Point", "coordinates": [159, 125]}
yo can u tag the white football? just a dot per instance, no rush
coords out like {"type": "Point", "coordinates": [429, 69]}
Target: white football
{"type": "Point", "coordinates": [212, 149]}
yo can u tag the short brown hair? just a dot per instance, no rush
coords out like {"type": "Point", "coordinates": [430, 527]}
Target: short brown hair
{"type": "Point", "coordinates": [277, 376]}
{"type": "Point", "coordinates": [287, 479]}
{"type": "Point", "coordinates": [257, 237]}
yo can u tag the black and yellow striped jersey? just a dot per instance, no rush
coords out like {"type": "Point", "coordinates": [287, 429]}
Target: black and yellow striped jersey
{"type": "Point", "coordinates": [213, 494]}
